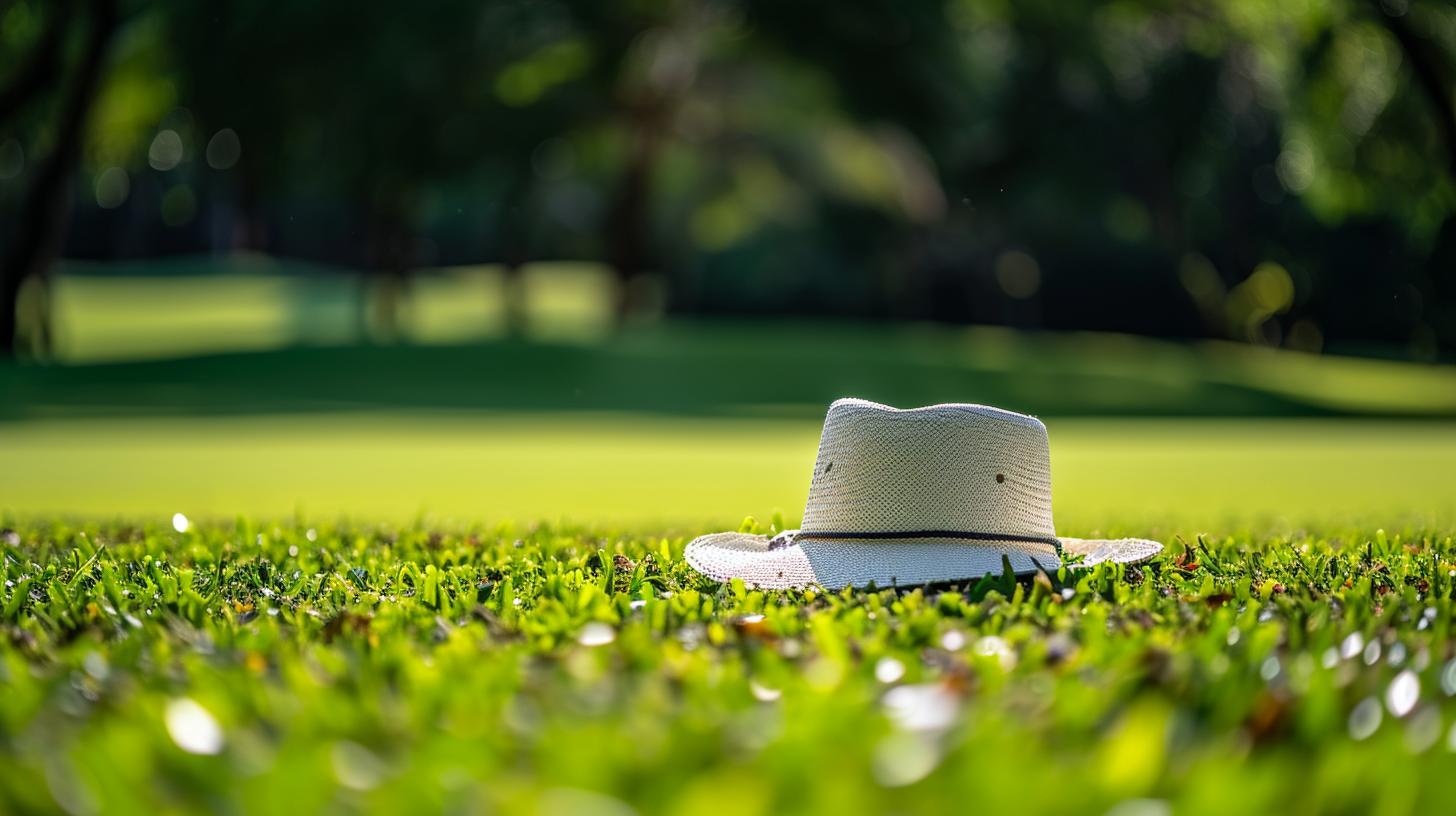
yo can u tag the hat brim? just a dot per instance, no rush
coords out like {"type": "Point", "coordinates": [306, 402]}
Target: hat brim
{"type": "Point", "coordinates": [836, 564]}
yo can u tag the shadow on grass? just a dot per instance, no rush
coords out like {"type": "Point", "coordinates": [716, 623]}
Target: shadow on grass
{"type": "Point", "coordinates": [712, 369]}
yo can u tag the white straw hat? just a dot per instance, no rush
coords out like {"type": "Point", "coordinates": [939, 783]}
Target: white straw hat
{"type": "Point", "coordinates": [909, 497]}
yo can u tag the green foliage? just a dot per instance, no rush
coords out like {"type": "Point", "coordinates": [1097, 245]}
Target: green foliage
{"type": "Point", "coordinates": [255, 666]}
{"type": "Point", "coordinates": [950, 159]}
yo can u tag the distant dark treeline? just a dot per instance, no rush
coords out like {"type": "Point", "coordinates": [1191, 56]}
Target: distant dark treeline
{"type": "Point", "coordinates": [1235, 169]}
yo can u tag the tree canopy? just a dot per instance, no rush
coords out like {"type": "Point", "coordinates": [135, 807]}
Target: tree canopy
{"type": "Point", "coordinates": [1274, 173]}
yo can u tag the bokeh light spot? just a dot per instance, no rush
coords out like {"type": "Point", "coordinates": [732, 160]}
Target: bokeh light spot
{"type": "Point", "coordinates": [224, 149]}
{"type": "Point", "coordinates": [1305, 336]}
{"type": "Point", "coordinates": [889, 670]}
{"type": "Point", "coordinates": [1270, 287]}
{"type": "Point", "coordinates": [1403, 693]}
{"type": "Point", "coordinates": [1365, 718]}
{"type": "Point", "coordinates": [112, 188]}
{"type": "Point", "coordinates": [1018, 274]}
{"type": "Point", "coordinates": [1296, 166]}
{"type": "Point", "coordinates": [166, 150]}
{"type": "Point", "coordinates": [596, 633]}
{"type": "Point", "coordinates": [904, 759]}
{"type": "Point", "coordinates": [193, 728]}
{"type": "Point", "coordinates": [356, 767]}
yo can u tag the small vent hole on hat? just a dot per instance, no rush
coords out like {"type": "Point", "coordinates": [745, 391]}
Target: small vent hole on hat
{"type": "Point", "coordinates": [1000, 477]}
{"type": "Point", "coordinates": [828, 467]}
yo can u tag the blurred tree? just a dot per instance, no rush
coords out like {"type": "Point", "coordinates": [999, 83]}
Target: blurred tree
{"type": "Point", "coordinates": [64, 95]}
{"type": "Point", "coordinates": [356, 99]}
{"type": "Point", "coordinates": [1277, 174]}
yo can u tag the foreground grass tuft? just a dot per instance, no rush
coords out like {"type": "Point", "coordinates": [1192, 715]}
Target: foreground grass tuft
{"type": "Point", "coordinates": [254, 667]}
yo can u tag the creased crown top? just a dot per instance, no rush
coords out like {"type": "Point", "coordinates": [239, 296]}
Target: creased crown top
{"type": "Point", "coordinates": [953, 466]}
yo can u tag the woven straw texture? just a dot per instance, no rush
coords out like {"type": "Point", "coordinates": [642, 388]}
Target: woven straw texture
{"type": "Point", "coordinates": [954, 467]}
{"type": "Point", "coordinates": [946, 467]}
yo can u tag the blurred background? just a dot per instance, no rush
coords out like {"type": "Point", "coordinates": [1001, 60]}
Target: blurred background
{"type": "Point", "coordinates": [611, 260]}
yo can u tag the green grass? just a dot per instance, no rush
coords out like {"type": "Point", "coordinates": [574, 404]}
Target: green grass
{"type": "Point", "coordinates": [252, 334]}
{"type": "Point", "coordinates": [1176, 476]}
{"type": "Point", "coordinates": [158, 308]}
{"type": "Point", "coordinates": [253, 667]}
{"type": "Point", "coordinates": [766, 368]}
{"type": "Point", "coordinates": [353, 622]}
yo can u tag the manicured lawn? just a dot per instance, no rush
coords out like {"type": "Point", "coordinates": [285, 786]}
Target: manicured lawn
{"type": "Point", "coordinates": [245, 334]}
{"type": "Point", "coordinates": [1173, 476]}
{"type": "Point", "coordinates": [107, 312]}
{"type": "Point", "coordinates": [252, 566]}
{"type": "Point", "coordinates": [254, 667]}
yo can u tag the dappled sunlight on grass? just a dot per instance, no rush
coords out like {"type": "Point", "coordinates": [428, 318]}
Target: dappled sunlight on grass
{"type": "Point", "coordinates": [157, 309]}
{"type": "Point", "coordinates": [570, 357]}
{"type": "Point", "coordinates": [101, 319]}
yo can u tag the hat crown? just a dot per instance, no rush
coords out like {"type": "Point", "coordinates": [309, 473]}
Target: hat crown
{"type": "Point", "coordinates": [954, 467]}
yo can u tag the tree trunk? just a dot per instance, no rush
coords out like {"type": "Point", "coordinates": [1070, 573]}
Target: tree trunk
{"type": "Point", "coordinates": [41, 226]}
{"type": "Point", "coordinates": [515, 252]}
{"type": "Point", "coordinates": [41, 68]}
{"type": "Point", "coordinates": [250, 231]}
{"type": "Point", "coordinates": [629, 241]}
{"type": "Point", "coordinates": [390, 258]}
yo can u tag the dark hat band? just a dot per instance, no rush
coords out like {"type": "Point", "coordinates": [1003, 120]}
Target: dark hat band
{"type": "Point", "coordinates": [787, 537]}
